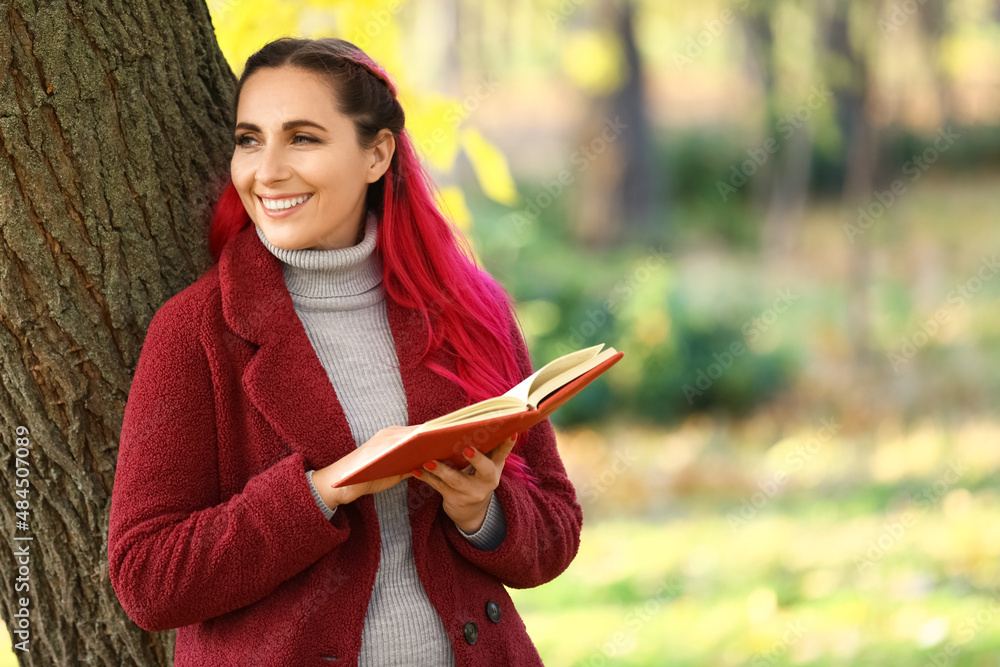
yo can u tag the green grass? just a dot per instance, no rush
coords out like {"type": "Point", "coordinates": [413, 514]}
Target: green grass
{"type": "Point", "coordinates": [880, 549]}
{"type": "Point", "coordinates": [786, 589]}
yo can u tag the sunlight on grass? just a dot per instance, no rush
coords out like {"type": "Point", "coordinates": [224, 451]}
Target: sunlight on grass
{"type": "Point", "coordinates": [886, 559]}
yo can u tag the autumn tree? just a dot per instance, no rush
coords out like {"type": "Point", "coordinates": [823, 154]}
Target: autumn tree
{"type": "Point", "coordinates": [114, 140]}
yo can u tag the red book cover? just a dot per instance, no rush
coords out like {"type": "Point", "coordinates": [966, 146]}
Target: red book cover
{"type": "Point", "coordinates": [445, 443]}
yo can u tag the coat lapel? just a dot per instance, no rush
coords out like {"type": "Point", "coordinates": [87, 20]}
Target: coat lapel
{"type": "Point", "coordinates": [285, 379]}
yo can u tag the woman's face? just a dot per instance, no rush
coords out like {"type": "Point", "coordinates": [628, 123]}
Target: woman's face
{"type": "Point", "coordinates": [293, 143]}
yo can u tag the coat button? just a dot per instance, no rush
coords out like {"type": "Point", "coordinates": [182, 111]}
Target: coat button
{"type": "Point", "coordinates": [493, 611]}
{"type": "Point", "coordinates": [471, 632]}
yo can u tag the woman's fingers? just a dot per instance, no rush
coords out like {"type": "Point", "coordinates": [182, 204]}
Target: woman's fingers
{"type": "Point", "coordinates": [477, 461]}
{"type": "Point", "coordinates": [499, 454]}
{"type": "Point", "coordinates": [482, 468]}
{"type": "Point", "coordinates": [431, 477]}
{"type": "Point", "coordinates": [448, 475]}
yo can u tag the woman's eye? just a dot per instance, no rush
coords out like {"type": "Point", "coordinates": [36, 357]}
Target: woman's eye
{"type": "Point", "coordinates": [241, 140]}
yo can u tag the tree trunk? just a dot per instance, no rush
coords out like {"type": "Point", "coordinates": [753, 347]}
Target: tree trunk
{"type": "Point", "coordinates": [618, 186]}
{"type": "Point", "coordinates": [932, 27]}
{"type": "Point", "coordinates": [115, 130]}
{"type": "Point", "coordinates": [852, 99]}
{"type": "Point", "coordinates": [760, 64]}
{"type": "Point", "coordinates": [788, 194]}
{"type": "Point", "coordinates": [641, 178]}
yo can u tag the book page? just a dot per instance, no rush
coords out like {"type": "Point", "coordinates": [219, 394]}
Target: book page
{"type": "Point", "coordinates": [567, 366]}
{"type": "Point", "coordinates": [539, 384]}
{"type": "Point", "coordinates": [524, 388]}
{"type": "Point", "coordinates": [492, 407]}
{"type": "Point", "coordinates": [547, 385]}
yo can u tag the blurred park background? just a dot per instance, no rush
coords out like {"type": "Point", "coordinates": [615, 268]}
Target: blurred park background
{"type": "Point", "coordinates": [785, 213]}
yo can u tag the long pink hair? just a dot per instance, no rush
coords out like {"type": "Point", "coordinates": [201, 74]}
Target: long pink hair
{"type": "Point", "coordinates": [427, 263]}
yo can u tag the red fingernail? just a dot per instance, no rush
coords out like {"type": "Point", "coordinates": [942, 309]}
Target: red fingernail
{"type": "Point", "coordinates": [469, 452]}
{"type": "Point", "coordinates": [430, 465]}
{"type": "Point", "coordinates": [417, 472]}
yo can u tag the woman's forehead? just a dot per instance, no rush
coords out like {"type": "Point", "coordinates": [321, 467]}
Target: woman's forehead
{"type": "Point", "coordinates": [278, 99]}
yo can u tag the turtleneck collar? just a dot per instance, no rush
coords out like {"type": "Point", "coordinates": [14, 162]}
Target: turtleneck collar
{"type": "Point", "coordinates": [346, 278]}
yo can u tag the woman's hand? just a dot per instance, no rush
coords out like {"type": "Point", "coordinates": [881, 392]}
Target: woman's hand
{"type": "Point", "coordinates": [346, 494]}
{"type": "Point", "coordinates": [467, 492]}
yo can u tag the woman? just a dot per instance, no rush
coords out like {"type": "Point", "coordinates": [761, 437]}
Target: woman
{"type": "Point", "coordinates": [341, 306]}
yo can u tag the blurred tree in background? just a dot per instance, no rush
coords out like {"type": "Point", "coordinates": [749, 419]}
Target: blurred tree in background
{"type": "Point", "coordinates": [783, 212]}
{"type": "Point", "coordinates": [637, 129]}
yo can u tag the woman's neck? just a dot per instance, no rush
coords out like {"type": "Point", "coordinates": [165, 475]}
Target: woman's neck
{"type": "Point", "coordinates": [339, 272]}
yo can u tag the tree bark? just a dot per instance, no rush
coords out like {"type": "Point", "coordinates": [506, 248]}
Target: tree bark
{"type": "Point", "coordinates": [115, 139]}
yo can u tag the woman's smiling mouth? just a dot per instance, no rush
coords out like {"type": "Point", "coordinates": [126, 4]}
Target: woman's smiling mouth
{"type": "Point", "coordinates": [279, 208]}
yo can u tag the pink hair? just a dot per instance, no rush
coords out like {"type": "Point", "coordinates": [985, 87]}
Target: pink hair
{"type": "Point", "coordinates": [427, 263]}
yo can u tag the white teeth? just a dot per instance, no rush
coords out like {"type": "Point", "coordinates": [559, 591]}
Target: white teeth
{"type": "Point", "coordinates": [280, 204]}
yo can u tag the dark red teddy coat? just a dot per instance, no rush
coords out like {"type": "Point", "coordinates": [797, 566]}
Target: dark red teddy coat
{"type": "Point", "coordinates": [213, 529]}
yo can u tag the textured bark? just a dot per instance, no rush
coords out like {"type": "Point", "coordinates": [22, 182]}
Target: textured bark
{"type": "Point", "coordinates": [114, 143]}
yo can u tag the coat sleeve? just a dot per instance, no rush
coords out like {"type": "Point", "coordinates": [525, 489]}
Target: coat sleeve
{"type": "Point", "coordinates": [544, 522]}
{"type": "Point", "coordinates": [177, 555]}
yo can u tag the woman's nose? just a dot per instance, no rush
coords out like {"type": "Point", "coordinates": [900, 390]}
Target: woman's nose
{"type": "Point", "coordinates": [273, 165]}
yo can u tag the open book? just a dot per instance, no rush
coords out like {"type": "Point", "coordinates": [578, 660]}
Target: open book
{"type": "Point", "coordinates": [482, 425]}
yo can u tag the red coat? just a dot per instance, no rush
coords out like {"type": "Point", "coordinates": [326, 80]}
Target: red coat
{"type": "Point", "coordinates": [213, 529]}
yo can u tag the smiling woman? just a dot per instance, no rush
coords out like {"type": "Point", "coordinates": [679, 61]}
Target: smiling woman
{"type": "Point", "coordinates": [343, 308]}
{"type": "Point", "coordinates": [319, 177]}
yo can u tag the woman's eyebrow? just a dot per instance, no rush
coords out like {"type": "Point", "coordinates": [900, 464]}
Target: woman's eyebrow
{"type": "Point", "coordinates": [287, 125]}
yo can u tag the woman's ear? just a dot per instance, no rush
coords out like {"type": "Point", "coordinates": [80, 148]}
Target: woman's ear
{"type": "Point", "coordinates": [381, 155]}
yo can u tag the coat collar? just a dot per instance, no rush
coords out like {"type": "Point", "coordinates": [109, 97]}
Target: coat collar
{"type": "Point", "coordinates": [257, 307]}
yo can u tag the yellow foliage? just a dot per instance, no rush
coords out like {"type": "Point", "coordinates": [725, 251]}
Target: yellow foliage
{"type": "Point", "coordinates": [593, 60]}
{"type": "Point", "coordinates": [490, 166]}
{"type": "Point", "coordinates": [431, 122]}
{"type": "Point", "coordinates": [371, 26]}
{"type": "Point", "coordinates": [451, 202]}
{"type": "Point", "coordinates": [243, 27]}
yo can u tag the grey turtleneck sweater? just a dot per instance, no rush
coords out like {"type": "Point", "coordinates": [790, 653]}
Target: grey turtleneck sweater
{"type": "Point", "coordinates": [338, 296]}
